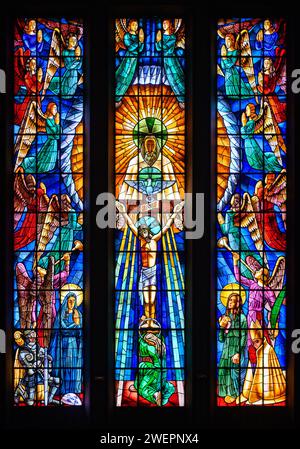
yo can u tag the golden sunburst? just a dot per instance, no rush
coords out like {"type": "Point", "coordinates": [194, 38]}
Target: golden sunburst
{"type": "Point", "coordinates": [149, 101]}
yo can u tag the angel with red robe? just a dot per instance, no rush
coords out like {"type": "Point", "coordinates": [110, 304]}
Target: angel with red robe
{"type": "Point", "coordinates": [31, 201]}
{"type": "Point", "coordinates": [28, 84]}
{"type": "Point", "coordinates": [257, 213]}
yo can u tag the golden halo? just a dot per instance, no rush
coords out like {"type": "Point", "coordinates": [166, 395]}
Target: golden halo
{"type": "Point", "coordinates": [232, 288]}
{"type": "Point", "coordinates": [72, 288]}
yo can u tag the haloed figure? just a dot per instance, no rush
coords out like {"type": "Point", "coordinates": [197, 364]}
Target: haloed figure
{"type": "Point", "coordinates": [148, 242]}
{"type": "Point", "coordinates": [66, 345]}
{"type": "Point", "coordinates": [233, 335]}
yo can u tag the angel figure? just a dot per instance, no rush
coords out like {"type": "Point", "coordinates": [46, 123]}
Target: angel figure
{"type": "Point", "coordinates": [130, 38]}
{"type": "Point", "coordinates": [35, 120]}
{"type": "Point", "coordinates": [271, 193]}
{"type": "Point", "coordinates": [272, 75]}
{"type": "Point", "coordinates": [269, 38]}
{"type": "Point", "coordinates": [265, 292]}
{"type": "Point", "coordinates": [59, 215]}
{"type": "Point", "coordinates": [32, 39]}
{"type": "Point", "coordinates": [257, 214]}
{"type": "Point", "coordinates": [172, 37]}
{"type": "Point", "coordinates": [31, 201]}
{"type": "Point", "coordinates": [231, 225]}
{"type": "Point", "coordinates": [265, 383]}
{"type": "Point", "coordinates": [40, 289]}
{"type": "Point", "coordinates": [237, 50]}
{"type": "Point", "coordinates": [262, 123]}
{"type": "Point", "coordinates": [71, 60]}
{"type": "Point", "coordinates": [28, 83]}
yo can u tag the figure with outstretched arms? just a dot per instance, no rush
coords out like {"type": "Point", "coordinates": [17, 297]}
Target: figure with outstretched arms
{"type": "Point", "coordinates": [148, 242]}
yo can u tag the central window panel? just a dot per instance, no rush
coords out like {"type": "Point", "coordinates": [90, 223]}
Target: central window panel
{"type": "Point", "coordinates": [149, 188]}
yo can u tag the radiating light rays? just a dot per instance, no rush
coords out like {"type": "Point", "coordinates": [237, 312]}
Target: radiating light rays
{"type": "Point", "coordinates": [149, 170]}
{"type": "Point", "coordinates": [132, 111]}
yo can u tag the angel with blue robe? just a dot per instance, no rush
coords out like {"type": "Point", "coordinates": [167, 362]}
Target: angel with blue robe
{"type": "Point", "coordinates": [32, 39]}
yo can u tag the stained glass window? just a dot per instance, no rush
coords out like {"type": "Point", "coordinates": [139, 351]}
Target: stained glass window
{"type": "Point", "coordinates": [149, 188]}
{"type": "Point", "coordinates": [251, 212]}
{"type": "Point", "coordinates": [48, 212]}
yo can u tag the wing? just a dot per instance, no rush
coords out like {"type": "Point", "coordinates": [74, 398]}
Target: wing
{"type": "Point", "coordinates": [246, 61]}
{"type": "Point", "coordinates": [73, 26]}
{"type": "Point", "coordinates": [247, 218]}
{"type": "Point", "coordinates": [33, 121]}
{"type": "Point", "coordinates": [120, 30]}
{"type": "Point", "coordinates": [26, 295]}
{"type": "Point", "coordinates": [23, 280]}
{"type": "Point", "coordinates": [24, 193]}
{"type": "Point", "coordinates": [276, 192]}
{"type": "Point", "coordinates": [42, 206]}
{"type": "Point", "coordinates": [277, 279]}
{"type": "Point", "coordinates": [272, 132]}
{"type": "Point", "coordinates": [266, 123]}
{"type": "Point", "coordinates": [234, 27]}
{"type": "Point", "coordinates": [20, 62]}
{"type": "Point", "coordinates": [48, 227]}
{"type": "Point", "coordinates": [280, 27]}
{"type": "Point", "coordinates": [259, 121]}
{"type": "Point", "coordinates": [180, 33]}
{"type": "Point", "coordinates": [54, 60]}
{"type": "Point", "coordinates": [19, 30]}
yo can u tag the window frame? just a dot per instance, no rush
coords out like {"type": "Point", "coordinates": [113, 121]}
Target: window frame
{"type": "Point", "coordinates": [99, 355]}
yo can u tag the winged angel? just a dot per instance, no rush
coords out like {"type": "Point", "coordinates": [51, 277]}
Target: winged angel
{"type": "Point", "coordinates": [262, 123]}
{"type": "Point", "coordinates": [64, 52]}
{"type": "Point", "coordinates": [130, 38]}
{"type": "Point", "coordinates": [237, 51]}
{"type": "Point", "coordinates": [256, 213]}
{"type": "Point", "coordinates": [51, 270]}
{"type": "Point", "coordinates": [172, 39]}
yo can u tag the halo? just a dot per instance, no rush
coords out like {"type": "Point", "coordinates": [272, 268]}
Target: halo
{"type": "Point", "coordinates": [150, 125]}
{"type": "Point", "coordinates": [232, 288]}
{"type": "Point", "coordinates": [72, 288]}
{"type": "Point", "coordinates": [151, 222]}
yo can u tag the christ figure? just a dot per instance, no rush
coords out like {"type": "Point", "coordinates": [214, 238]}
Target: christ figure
{"type": "Point", "coordinates": [148, 241]}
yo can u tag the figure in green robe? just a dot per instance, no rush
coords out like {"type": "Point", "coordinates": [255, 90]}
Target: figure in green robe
{"type": "Point", "coordinates": [134, 43]}
{"type": "Point", "coordinates": [47, 156]}
{"type": "Point", "coordinates": [71, 57]}
{"type": "Point", "coordinates": [230, 227]}
{"type": "Point", "coordinates": [174, 72]}
{"type": "Point", "coordinates": [235, 86]}
{"type": "Point", "coordinates": [69, 224]}
{"type": "Point", "coordinates": [257, 158]}
{"type": "Point", "coordinates": [233, 335]}
{"type": "Point", "coordinates": [151, 380]}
